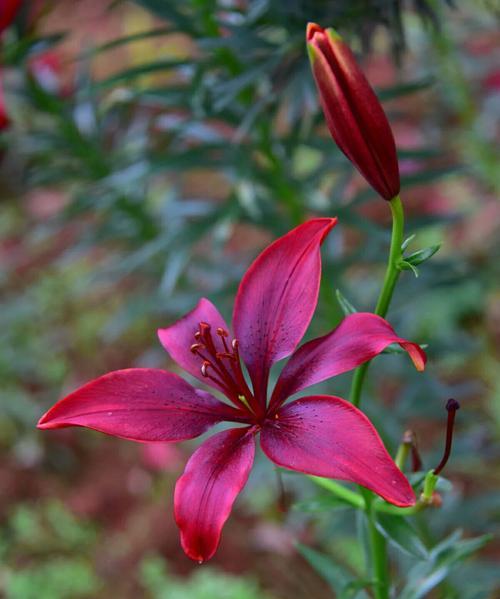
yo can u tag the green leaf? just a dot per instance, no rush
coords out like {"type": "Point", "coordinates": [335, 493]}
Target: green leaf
{"type": "Point", "coordinates": [421, 256]}
{"type": "Point", "coordinates": [344, 303]}
{"type": "Point", "coordinates": [352, 589]}
{"type": "Point", "coordinates": [407, 242]}
{"type": "Point", "coordinates": [424, 577]}
{"type": "Point", "coordinates": [127, 39]}
{"type": "Point", "coordinates": [405, 88]}
{"type": "Point", "coordinates": [339, 491]}
{"type": "Point", "coordinates": [126, 75]}
{"type": "Point", "coordinates": [321, 504]}
{"type": "Point", "coordinates": [404, 265]}
{"type": "Point", "coordinates": [334, 575]}
{"type": "Point", "coordinates": [401, 533]}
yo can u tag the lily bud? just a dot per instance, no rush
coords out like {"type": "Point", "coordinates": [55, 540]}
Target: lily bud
{"type": "Point", "coordinates": [353, 113]}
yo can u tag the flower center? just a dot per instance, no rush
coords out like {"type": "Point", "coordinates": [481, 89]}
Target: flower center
{"type": "Point", "coordinates": [223, 367]}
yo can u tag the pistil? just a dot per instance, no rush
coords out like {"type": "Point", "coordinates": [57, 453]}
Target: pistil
{"type": "Point", "coordinates": [452, 406]}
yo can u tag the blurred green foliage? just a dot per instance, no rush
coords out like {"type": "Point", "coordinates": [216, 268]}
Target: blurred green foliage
{"type": "Point", "coordinates": [31, 534]}
{"type": "Point", "coordinates": [206, 583]}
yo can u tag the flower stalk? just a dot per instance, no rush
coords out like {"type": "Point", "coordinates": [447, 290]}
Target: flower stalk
{"type": "Point", "coordinates": [378, 544]}
{"type": "Point", "coordinates": [390, 279]}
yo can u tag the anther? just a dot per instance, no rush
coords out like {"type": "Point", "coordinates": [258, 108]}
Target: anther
{"type": "Point", "coordinates": [204, 328]}
{"type": "Point", "coordinates": [196, 347]}
{"type": "Point", "coordinates": [197, 335]}
{"type": "Point", "coordinates": [222, 332]}
{"type": "Point", "coordinates": [234, 344]}
{"type": "Point", "coordinates": [452, 406]}
{"type": "Point", "coordinates": [204, 368]}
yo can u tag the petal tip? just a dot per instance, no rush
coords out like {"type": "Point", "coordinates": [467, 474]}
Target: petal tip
{"type": "Point", "coordinates": [195, 550]}
{"type": "Point", "coordinates": [404, 495]}
{"type": "Point", "coordinates": [45, 422]}
{"type": "Point", "coordinates": [329, 224]}
{"type": "Point", "coordinates": [417, 355]}
{"type": "Point", "coordinates": [311, 29]}
{"type": "Point", "coordinates": [41, 424]}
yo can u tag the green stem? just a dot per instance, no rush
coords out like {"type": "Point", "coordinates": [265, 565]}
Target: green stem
{"type": "Point", "coordinates": [390, 280]}
{"type": "Point", "coordinates": [378, 545]}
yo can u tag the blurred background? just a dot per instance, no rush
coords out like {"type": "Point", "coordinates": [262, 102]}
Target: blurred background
{"type": "Point", "coordinates": [148, 151]}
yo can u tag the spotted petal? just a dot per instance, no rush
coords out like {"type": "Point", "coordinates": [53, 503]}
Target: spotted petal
{"type": "Point", "coordinates": [358, 338]}
{"type": "Point", "coordinates": [327, 436]}
{"type": "Point", "coordinates": [277, 297]}
{"type": "Point", "coordinates": [205, 493]}
{"type": "Point", "coordinates": [141, 404]}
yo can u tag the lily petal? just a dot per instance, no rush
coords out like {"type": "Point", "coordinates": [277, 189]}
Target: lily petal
{"type": "Point", "coordinates": [140, 404]}
{"type": "Point", "coordinates": [327, 436]}
{"type": "Point", "coordinates": [178, 338]}
{"type": "Point", "coordinates": [358, 338]}
{"type": "Point", "coordinates": [205, 493]}
{"type": "Point", "coordinates": [277, 297]}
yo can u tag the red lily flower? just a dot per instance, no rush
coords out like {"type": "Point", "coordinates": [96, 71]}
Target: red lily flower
{"type": "Point", "coordinates": [8, 11]}
{"type": "Point", "coordinates": [353, 113]}
{"type": "Point", "coordinates": [321, 435]}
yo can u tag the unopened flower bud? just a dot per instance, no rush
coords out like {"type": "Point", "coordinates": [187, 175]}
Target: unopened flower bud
{"type": "Point", "coordinates": [353, 113]}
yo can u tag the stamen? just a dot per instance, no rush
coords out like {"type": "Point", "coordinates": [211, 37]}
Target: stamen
{"type": "Point", "coordinates": [410, 439]}
{"type": "Point", "coordinates": [452, 406]}
{"type": "Point", "coordinates": [416, 460]}
{"type": "Point", "coordinates": [228, 376]}
{"type": "Point", "coordinates": [223, 334]}
{"type": "Point", "coordinates": [204, 368]}
{"type": "Point", "coordinates": [196, 347]}
{"type": "Point", "coordinates": [221, 355]}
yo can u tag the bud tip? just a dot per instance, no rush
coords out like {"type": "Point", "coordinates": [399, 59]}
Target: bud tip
{"type": "Point", "coordinates": [312, 28]}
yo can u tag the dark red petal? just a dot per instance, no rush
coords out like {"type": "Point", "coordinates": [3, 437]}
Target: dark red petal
{"type": "Point", "coordinates": [277, 297]}
{"type": "Point", "coordinates": [327, 436]}
{"type": "Point", "coordinates": [353, 113]}
{"type": "Point", "coordinates": [358, 338]}
{"type": "Point", "coordinates": [141, 404]}
{"type": "Point", "coordinates": [8, 10]}
{"type": "Point", "coordinates": [179, 337]}
{"type": "Point", "coordinates": [205, 493]}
